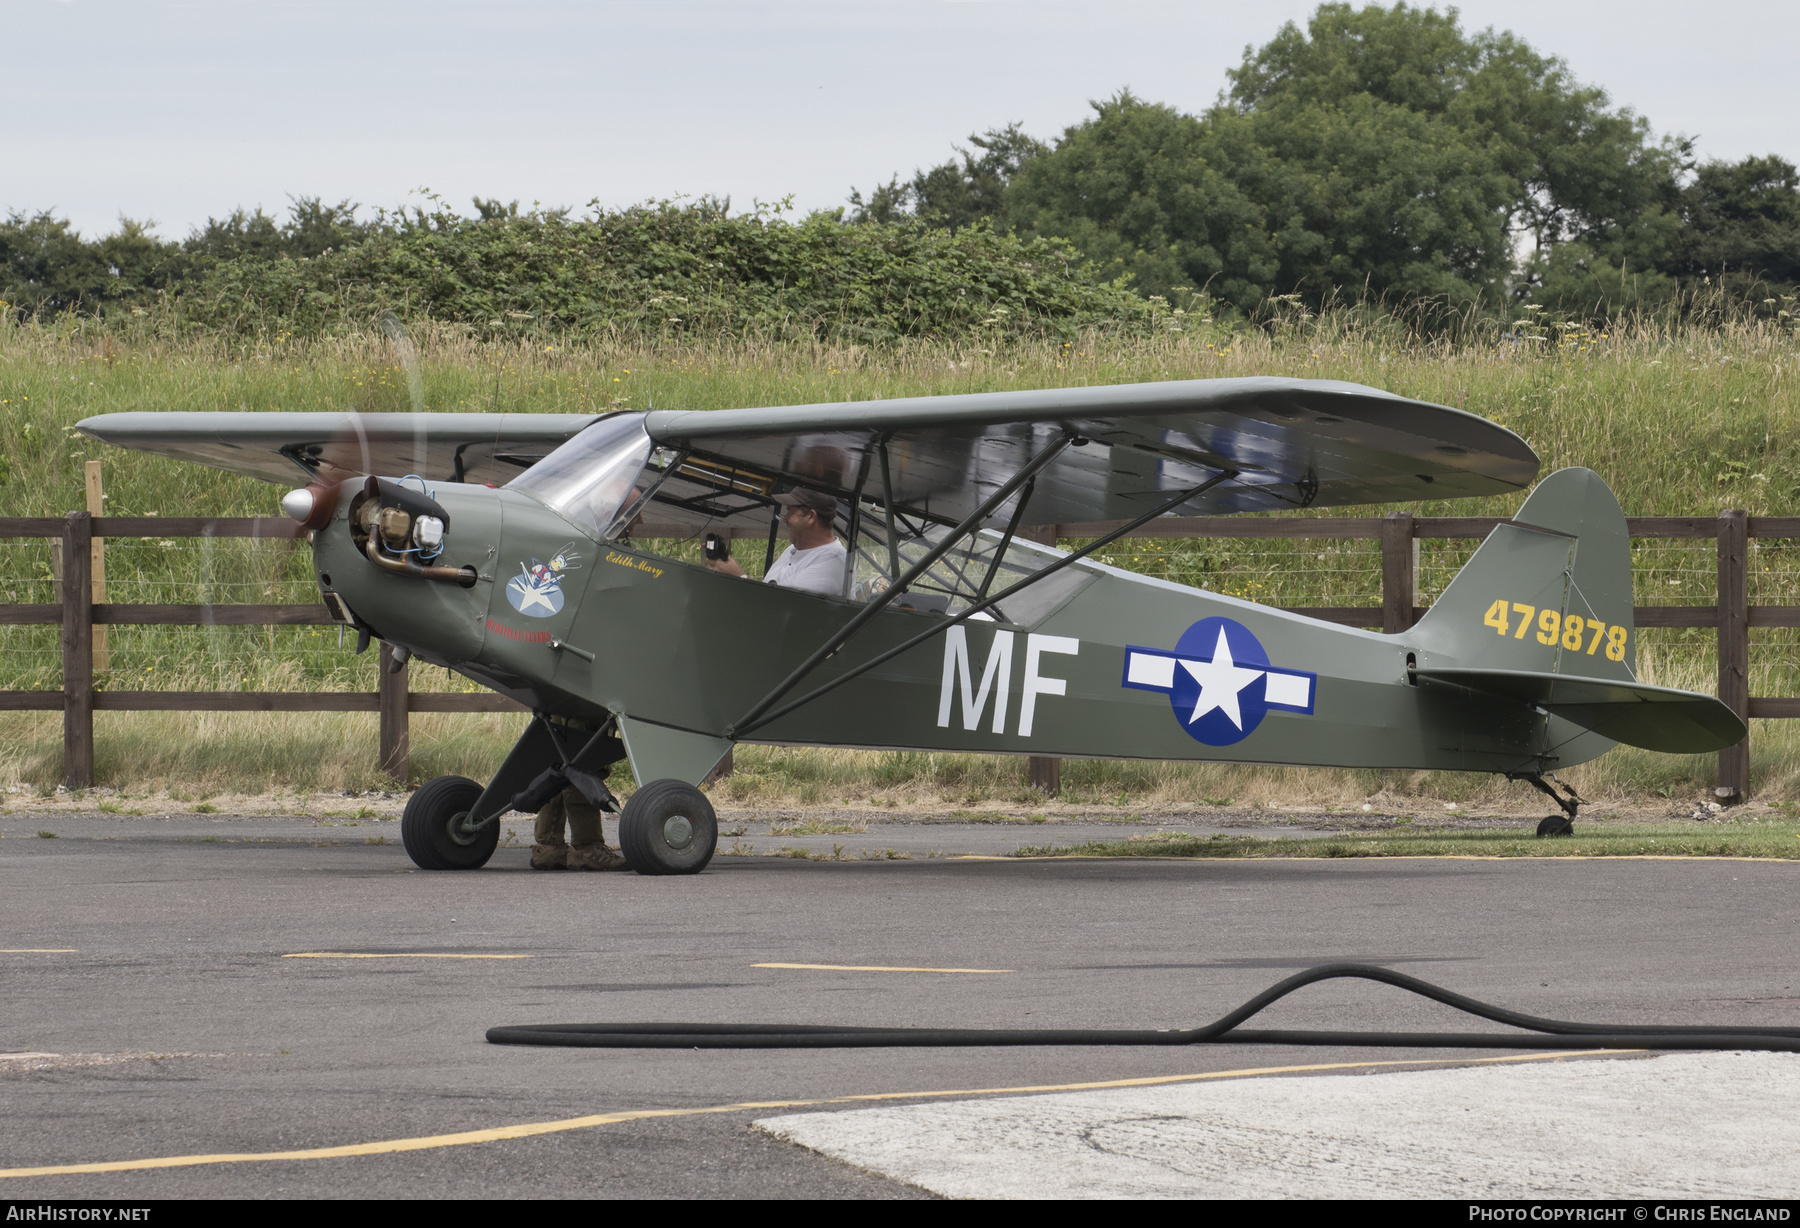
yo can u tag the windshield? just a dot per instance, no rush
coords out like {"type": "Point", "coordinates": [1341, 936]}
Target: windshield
{"type": "Point", "coordinates": [589, 478]}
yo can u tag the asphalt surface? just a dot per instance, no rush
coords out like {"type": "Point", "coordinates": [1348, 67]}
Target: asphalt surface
{"type": "Point", "coordinates": [849, 835]}
{"type": "Point", "coordinates": [1724, 1128]}
{"type": "Point", "coordinates": [147, 965]}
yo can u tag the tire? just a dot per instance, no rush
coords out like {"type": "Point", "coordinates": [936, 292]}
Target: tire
{"type": "Point", "coordinates": [425, 827]}
{"type": "Point", "coordinates": [668, 828]}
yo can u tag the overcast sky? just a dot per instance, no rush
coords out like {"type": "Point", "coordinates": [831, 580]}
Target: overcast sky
{"type": "Point", "coordinates": [177, 110]}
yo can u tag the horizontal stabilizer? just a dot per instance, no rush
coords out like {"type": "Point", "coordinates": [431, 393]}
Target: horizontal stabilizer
{"type": "Point", "coordinates": [1653, 717]}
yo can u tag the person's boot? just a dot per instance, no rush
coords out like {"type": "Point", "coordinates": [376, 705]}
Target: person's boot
{"type": "Point", "coordinates": [596, 856]}
{"type": "Point", "coordinates": [587, 841]}
{"type": "Point", "coordinates": [549, 852]}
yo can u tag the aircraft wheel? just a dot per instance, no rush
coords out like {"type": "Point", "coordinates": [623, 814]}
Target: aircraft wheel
{"type": "Point", "coordinates": [1556, 825]}
{"type": "Point", "coordinates": [429, 828]}
{"type": "Point", "coordinates": [668, 828]}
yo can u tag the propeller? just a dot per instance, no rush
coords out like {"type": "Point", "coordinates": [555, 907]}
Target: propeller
{"type": "Point", "coordinates": [349, 456]}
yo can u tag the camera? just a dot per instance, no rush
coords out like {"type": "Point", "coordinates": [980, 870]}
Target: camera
{"type": "Point", "coordinates": [716, 547]}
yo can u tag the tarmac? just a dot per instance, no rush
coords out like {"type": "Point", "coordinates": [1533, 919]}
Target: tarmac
{"type": "Point", "coordinates": [1513, 1132]}
{"type": "Point", "coordinates": [231, 1006]}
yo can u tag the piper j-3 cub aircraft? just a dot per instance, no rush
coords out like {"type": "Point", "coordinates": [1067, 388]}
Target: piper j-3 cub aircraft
{"type": "Point", "coordinates": [500, 547]}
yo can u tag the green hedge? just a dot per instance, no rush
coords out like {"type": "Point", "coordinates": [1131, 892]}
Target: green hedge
{"type": "Point", "coordinates": [690, 269]}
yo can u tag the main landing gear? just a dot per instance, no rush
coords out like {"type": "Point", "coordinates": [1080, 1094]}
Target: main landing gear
{"type": "Point", "coordinates": [1557, 824]}
{"type": "Point", "coordinates": [668, 827]}
{"type": "Point", "coordinates": [435, 826]}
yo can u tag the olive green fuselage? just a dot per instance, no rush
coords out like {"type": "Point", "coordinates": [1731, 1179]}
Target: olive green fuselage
{"type": "Point", "coordinates": [680, 646]}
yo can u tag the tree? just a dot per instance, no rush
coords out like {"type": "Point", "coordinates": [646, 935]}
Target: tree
{"type": "Point", "coordinates": [1741, 227]}
{"type": "Point", "coordinates": [1132, 188]}
{"type": "Point", "coordinates": [312, 228]}
{"type": "Point", "coordinates": [954, 194]}
{"type": "Point", "coordinates": [238, 234]}
{"type": "Point", "coordinates": [888, 202]}
{"type": "Point", "coordinates": [1509, 136]}
{"type": "Point", "coordinates": [1381, 151]}
{"type": "Point", "coordinates": [490, 209]}
{"type": "Point", "coordinates": [47, 267]}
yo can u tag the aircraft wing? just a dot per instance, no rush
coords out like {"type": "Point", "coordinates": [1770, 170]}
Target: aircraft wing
{"type": "Point", "coordinates": [293, 448]}
{"type": "Point", "coordinates": [1293, 443]}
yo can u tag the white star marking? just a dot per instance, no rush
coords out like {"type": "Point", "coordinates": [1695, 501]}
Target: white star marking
{"type": "Point", "coordinates": [1220, 679]}
{"type": "Point", "coordinates": [530, 595]}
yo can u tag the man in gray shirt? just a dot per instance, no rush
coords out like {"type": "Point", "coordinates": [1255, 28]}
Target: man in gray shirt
{"type": "Point", "coordinates": [814, 561]}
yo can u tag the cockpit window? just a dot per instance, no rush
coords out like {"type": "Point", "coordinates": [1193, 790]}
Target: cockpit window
{"type": "Point", "coordinates": [590, 477]}
{"type": "Point", "coordinates": [955, 581]}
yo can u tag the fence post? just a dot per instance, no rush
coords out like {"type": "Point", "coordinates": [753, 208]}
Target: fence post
{"type": "Point", "coordinates": [1734, 647]}
{"type": "Point", "coordinates": [96, 507]}
{"type": "Point", "coordinates": [1042, 772]}
{"type": "Point", "coordinates": [1397, 595]}
{"type": "Point", "coordinates": [78, 652]}
{"type": "Point", "coordinates": [396, 739]}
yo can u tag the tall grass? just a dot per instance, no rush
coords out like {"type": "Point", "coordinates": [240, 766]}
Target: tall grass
{"type": "Point", "coordinates": [1678, 420]}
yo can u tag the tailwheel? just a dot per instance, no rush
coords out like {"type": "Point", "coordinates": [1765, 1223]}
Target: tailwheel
{"type": "Point", "coordinates": [435, 826]}
{"type": "Point", "coordinates": [668, 827]}
{"type": "Point", "coordinates": [1556, 825]}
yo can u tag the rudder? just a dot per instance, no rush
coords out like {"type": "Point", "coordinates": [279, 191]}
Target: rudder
{"type": "Point", "coordinates": [1542, 615]}
{"type": "Point", "coordinates": [1548, 592]}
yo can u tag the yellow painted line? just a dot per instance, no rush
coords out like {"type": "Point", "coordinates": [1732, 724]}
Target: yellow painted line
{"type": "Point", "coordinates": [532, 1129]}
{"type": "Point", "coordinates": [1563, 857]}
{"type": "Point", "coordinates": [39, 950]}
{"type": "Point", "coordinates": [873, 968]}
{"type": "Point", "coordinates": [1528, 857]}
{"type": "Point", "coordinates": [394, 955]}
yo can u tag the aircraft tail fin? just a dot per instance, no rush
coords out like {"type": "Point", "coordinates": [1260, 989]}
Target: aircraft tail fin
{"type": "Point", "coordinates": [1542, 614]}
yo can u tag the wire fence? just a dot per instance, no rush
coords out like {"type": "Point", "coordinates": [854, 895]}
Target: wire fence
{"type": "Point", "coordinates": [215, 614]}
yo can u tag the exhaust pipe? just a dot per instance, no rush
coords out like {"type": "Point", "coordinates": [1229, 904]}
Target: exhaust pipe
{"type": "Point", "coordinates": [464, 576]}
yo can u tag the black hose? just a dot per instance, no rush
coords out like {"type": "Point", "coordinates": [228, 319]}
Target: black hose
{"type": "Point", "coordinates": [1549, 1033]}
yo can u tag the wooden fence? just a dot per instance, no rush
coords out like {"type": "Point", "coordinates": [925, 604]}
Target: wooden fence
{"type": "Point", "coordinates": [78, 615]}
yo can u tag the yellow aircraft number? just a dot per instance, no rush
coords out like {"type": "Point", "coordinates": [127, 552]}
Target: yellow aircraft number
{"type": "Point", "coordinates": [1571, 631]}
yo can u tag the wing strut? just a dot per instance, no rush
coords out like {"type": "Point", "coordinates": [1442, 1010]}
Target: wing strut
{"type": "Point", "coordinates": [988, 507]}
{"type": "Point", "coordinates": [855, 525]}
{"type": "Point", "coordinates": [1012, 526]}
{"type": "Point", "coordinates": [756, 718]}
{"type": "Point", "coordinates": [887, 511]}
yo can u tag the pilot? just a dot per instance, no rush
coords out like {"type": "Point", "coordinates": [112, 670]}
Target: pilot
{"type": "Point", "coordinates": [814, 559]}
{"type": "Point", "coordinates": [586, 849]}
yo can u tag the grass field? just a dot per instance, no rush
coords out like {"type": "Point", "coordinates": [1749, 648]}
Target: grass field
{"type": "Point", "coordinates": [1685, 422]}
{"type": "Point", "coordinates": [1776, 840]}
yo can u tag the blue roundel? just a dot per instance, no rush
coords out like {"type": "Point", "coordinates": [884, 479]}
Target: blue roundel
{"type": "Point", "coordinates": [1220, 682]}
{"type": "Point", "coordinates": [536, 591]}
